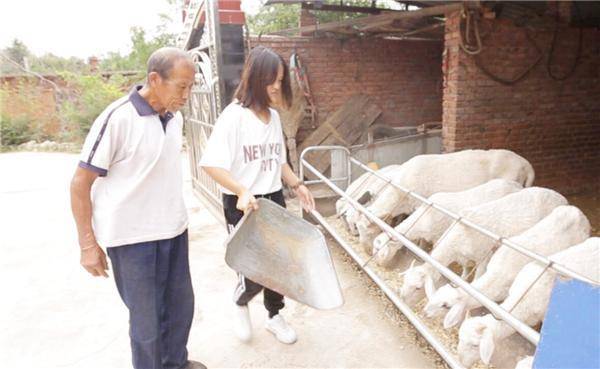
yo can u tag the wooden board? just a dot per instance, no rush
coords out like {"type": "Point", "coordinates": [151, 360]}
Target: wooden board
{"type": "Point", "coordinates": [343, 128]}
{"type": "Point", "coordinates": [349, 132]}
{"type": "Point", "coordinates": [374, 21]}
{"type": "Point", "coordinates": [292, 117]}
{"type": "Point", "coordinates": [290, 121]}
{"type": "Point", "coordinates": [333, 121]}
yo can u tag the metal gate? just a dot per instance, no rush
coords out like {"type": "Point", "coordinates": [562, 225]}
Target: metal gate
{"type": "Point", "coordinates": [200, 119]}
{"type": "Point", "coordinates": [205, 100]}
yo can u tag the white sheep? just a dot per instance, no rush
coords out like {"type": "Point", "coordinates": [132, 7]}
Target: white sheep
{"type": "Point", "coordinates": [429, 174]}
{"type": "Point", "coordinates": [507, 217]}
{"type": "Point", "coordinates": [429, 224]}
{"type": "Point", "coordinates": [564, 227]}
{"type": "Point", "coordinates": [525, 363]}
{"type": "Point", "coordinates": [365, 183]}
{"type": "Point", "coordinates": [363, 190]}
{"type": "Point", "coordinates": [479, 335]}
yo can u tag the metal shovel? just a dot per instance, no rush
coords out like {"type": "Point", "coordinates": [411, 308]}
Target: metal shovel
{"type": "Point", "coordinates": [285, 253]}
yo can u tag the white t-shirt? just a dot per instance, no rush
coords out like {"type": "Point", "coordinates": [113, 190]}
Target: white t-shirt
{"type": "Point", "coordinates": [252, 151]}
{"type": "Point", "coordinates": [139, 194]}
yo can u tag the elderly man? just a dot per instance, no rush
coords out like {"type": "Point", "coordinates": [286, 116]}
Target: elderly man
{"type": "Point", "coordinates": [136, 211]}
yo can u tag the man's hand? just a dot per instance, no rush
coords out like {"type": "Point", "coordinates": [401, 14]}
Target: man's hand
{"type": "Point", "coordinates": [93, 259]}
{"type": "Point", "coordinates": [246, 201]}
{"type": "Point", "coordinates": [306, 198]}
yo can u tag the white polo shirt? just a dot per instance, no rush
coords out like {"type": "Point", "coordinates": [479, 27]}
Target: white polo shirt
{"type": "Point", "coordinates": [139, 195]}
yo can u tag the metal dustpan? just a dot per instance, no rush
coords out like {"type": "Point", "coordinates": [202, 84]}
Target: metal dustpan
{"type": "Point", "coordinates": [285, 253]}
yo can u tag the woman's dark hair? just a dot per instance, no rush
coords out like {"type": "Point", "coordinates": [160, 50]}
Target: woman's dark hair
{"type": "Point", "coordinates": [260, 70]}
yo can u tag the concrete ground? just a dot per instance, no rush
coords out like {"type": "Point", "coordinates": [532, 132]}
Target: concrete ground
{"type": "Point", "coordinates": [54, 315]}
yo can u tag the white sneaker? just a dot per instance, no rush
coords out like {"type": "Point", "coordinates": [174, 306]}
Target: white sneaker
{"type": "Point", "coordinates": [281, 329]}
{"type": "Point", "coordinates": [242, 324]}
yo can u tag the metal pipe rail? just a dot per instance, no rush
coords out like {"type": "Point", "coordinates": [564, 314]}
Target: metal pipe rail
{"type": "Point", "coordinates": [530, 334]}
{"type": "Point", "coordinates": [198, 121]}
{"type": "Point", "coordinates": [405, 309]}
{"type": "Point", "coordinates": [326, 148]}
{"type": "Point", "coordinates": [539, 258]}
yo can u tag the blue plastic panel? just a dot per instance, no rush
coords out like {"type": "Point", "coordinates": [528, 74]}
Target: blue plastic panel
{"type": "Point", "coordinates": [570, 336]}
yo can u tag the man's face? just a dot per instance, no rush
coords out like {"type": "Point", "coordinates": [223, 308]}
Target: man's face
{"type": "Point", "coordinates": [174, 91]}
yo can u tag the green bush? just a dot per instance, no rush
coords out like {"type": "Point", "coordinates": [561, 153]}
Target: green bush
{"type": "Point", "coordinates": [94, 94]}
{"type": "Point", "coordinates": [79, 105]}
{"type": "Point", "coordinates": [15, 130]}
{"type": "Point", "coordinates": [28, 119]}
{"type": "Point", "coordinates": [82, 98]}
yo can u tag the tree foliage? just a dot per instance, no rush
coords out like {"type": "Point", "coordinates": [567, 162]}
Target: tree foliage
{"type": "Point", "coordinates": [277, 17]}
{"type": "Point", "coordinates": [14, 57]}
{"type": "Point", "coordinates": [94, 94]}
{"type": "Point", "coordinates": [83, 98]}
{"type": "Point", "coordinates": [17, 57]}
{"type": "Point", "coordinates": [141, 49]}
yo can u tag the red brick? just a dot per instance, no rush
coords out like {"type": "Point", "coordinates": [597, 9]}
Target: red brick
{"type": "Point", "coordinates": [554, 124]}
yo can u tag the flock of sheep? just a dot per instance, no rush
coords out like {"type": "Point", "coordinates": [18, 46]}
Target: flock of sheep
{"type": "Point", "coordinates": [491, 188]}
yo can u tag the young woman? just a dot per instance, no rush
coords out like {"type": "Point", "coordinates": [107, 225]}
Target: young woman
{"type": "Point", "coordinates": [246, 156]}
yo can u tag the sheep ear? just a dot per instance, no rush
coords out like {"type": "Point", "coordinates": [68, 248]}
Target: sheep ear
{"type": "Point", "coordinates": [486, 347]}
{"type": "Point", "coordinates": [454, 316]}
{"type": "Point", "coordinates": [429, 287]}
{"type": "Point", "coordinates": [383, 253]}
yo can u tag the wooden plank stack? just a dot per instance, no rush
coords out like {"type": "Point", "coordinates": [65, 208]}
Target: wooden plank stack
{"type": "Point", "coordinates": [344, 127]}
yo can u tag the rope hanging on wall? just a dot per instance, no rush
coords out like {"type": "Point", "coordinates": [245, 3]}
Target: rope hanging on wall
{"type": "Point", "coordinates": [553, 44]}
{"type": "Point", "coordinates": [471, 17]}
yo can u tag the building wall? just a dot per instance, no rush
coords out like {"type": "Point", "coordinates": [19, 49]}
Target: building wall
{"type": "Point", "coordinates": [28, 98]}
{"type": "Point", "coordinates": [553, 124]}
{"type": "Point", "coordinates": [403, 78]}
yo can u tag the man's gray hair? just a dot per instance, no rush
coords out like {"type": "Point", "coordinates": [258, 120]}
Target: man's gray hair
{"type": "Point", "coordinates": [162, 60]}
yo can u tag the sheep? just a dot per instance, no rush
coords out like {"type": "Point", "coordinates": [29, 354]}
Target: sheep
{"type": "Point", "coordinates": [363, 189]}
{"type": "Point", "coordinates": [479, 335]}
{"type": "Point", "coordinates": [507, 216]}
{"type": "Point", "coordinates": [564, 227]}
{"type": "Point", "coordinates": [525, 363]}
{"type": "Point", "coordinates": [429, 174]}
{"type": "Point", "coordinates": [367, 182]}
{"type": "Point", "coordinates": [429, 224]}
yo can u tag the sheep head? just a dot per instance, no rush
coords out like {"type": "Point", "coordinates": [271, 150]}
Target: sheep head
{"type": "Point", "coordinates": [413, 286]}
{"type": "Point", "coordinates": [476, 340]}
{"type": "Point", "coordinates": [351, 216]}
{"type": "Point", "coordinates": [367, 231]}
{"type": "Point", "coordinates": [441, 301]}
{"type": "Point", "coordinates": [456, 314]}
{"type": "Point", "coordinates": [385, 249]}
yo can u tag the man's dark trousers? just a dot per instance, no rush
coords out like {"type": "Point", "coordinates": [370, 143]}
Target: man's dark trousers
{"type": "Point", "coordinates": [153, 279]}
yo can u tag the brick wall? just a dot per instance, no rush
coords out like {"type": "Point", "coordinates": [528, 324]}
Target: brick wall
{"type": "Point", "coordinates": [306, 19]}
{"type": "Point", "coordinates": [403, 78]}
{"type": "Point", "coordinates": [553, 124]}
{"type": "Point", "coordinates": [26, 97]}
